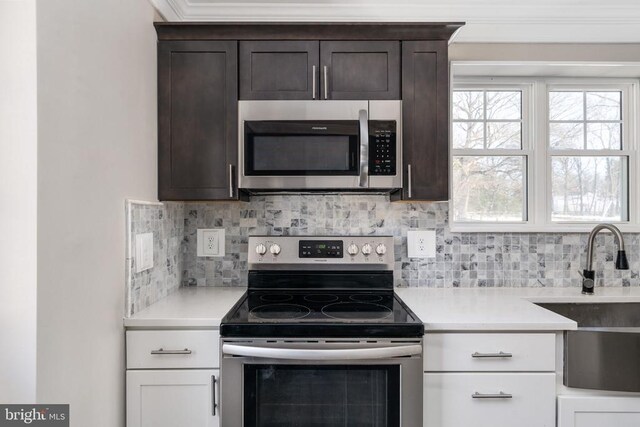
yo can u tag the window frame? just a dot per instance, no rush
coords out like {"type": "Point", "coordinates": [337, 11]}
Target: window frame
{"type": "Point", "coordinates": [535, 148]}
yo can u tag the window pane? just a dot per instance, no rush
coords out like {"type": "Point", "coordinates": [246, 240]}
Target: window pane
{"type": "Point", "coordinates": [468, 135]}
{"type": "Point", "coordinates": [489, 188]}
{"type": "Point", "coordinates": [604, 105]}
{"type": "Point", "coordinates": [566, 136]}
{"type": "Point", "coordinates": [589, 188]}
{"type": "Point", "coordinates": [504, 135]}
{"type": "Point", "coordinates": [566, 105]}
{"type": "Point", "coordinates": [604, 136]}
{"type": "Point", "coordinates": [468, 105]}
{"type": "Point", "coordinates": [504, 105]}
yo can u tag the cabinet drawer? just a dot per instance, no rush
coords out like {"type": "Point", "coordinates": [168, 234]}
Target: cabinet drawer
{"type": "Point", "coordinates": [172, 349]}
{"type": "Point", "coordinates": [527, 400]}
{"type": "Point", "coordinates": [489, 352]}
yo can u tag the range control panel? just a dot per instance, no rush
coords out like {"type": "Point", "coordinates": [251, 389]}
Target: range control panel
{"type": "Point", "coordinates": [266, 251]}
{"type": "Point", "coordinates": [320, 248]}
{"type": "Point", "coordinates": [382, 147]}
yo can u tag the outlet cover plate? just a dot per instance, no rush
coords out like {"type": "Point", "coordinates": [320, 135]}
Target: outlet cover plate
{"type": "Point", "coordinates": [210, 242]}
{"type": "Point", "coordinates": [421, 243]}
{"type": "Point", "coordinates": [144, 252]}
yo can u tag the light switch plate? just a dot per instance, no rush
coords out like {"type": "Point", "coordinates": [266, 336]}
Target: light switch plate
{"type": "Point", "coordinates": [210, 242]}
{"type": "Point", "coordinates": [144, 252]}
{"type": "Point", "coordinates": [421, 243]}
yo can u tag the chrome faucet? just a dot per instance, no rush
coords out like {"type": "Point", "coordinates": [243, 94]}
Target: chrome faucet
{"type": "Point", "coordinates": [588, 275]}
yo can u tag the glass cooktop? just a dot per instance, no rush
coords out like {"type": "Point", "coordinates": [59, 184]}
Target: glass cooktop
{"type": "Point", "coordinates": [320, 313]}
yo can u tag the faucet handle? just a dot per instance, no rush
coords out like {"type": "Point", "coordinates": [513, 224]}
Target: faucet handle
{"type": "Point", "coordinates": [588, 281]}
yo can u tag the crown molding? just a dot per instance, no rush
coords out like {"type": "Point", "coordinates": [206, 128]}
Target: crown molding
{"type": "Point", "coordinates": [562, 21]}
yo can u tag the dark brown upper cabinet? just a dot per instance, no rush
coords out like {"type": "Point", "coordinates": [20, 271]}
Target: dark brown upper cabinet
{"type": "Point", "coordinates": [319, 69]}
{"type": "Point", "coordinates": [197, 120]}
{"type": "Point", "coordinates": [425, 118]}
{"type": "Point", "coordinates": [360, 69]}
{"type": "Point", "coordinates": [279, 69]}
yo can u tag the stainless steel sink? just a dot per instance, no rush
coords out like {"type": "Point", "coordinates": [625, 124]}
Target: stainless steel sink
{"type": "Point", "coordinates": [604, 353]}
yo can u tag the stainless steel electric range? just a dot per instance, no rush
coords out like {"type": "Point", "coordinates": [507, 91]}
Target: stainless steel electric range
{"type": "Point", "coordinates": [320, 338]}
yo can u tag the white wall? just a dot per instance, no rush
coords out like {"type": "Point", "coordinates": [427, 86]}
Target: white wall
{"type": "Point", "coordinates": [613, 52]}
{"type": "Point", "coordinates": [96, 146]}
{"type": "Point", "coordinates": [18, 180]}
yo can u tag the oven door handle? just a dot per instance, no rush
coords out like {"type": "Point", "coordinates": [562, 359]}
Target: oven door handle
{"type": "Point", "coordinates": [364, 148]}
{"type": "Point", "coordinates": [312, 354]}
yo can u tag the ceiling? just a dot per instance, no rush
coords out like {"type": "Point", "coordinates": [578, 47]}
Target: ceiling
{"type": "Point", "coordinates": [561, 21]}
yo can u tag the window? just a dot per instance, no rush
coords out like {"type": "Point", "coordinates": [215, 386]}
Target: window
{"type": "Point", "coordinates": [588, 173]}
{"type": "Point", "coordinates": [535, 154]}
{"type": "Point", "coordinates": [489, 159]}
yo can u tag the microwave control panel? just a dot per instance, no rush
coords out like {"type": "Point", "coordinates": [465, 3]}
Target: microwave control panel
{"type": "Point", "coordinates": [382, 147]}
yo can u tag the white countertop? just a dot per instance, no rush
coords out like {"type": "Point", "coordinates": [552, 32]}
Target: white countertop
{"type": "Point", "coordinates": [449, 309]}
{"type": "Point", "coordinates": [192, 307]}
{"type": "Point", "coordinates": [502, 309]}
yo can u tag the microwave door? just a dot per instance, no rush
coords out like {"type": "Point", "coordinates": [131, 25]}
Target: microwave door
{"type": "Point", "coordinates": [302, 154]}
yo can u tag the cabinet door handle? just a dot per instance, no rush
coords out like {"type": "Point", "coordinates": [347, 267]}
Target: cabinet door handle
{"type": "Point", "coordinates": [214, 405]}
{"type": "Point", "coordinates": [409, 180]}
{"type": "Point", "coordinates": [500, 395]}
{"type": "Point", "coordinates": [500, 354]}
{"type": "Point", "coordinates": [230, 181]}
{"type": "Point", "coordinates": [326, 82]}
{"type": "Point", "coordinates": [163, 351]}
{"type": "Point", "coordinates": [313, 88]}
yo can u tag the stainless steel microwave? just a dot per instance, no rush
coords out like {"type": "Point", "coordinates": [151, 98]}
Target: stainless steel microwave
{"type": "Point", "coordinates": [320, 146]}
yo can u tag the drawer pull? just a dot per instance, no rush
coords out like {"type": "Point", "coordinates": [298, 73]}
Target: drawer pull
{"type": "Point", "coordinates": [500, 395]}
{"type": "Point", "coordinates": [163, 351]}
{"type": "Point", "coordinates": [491, 355]}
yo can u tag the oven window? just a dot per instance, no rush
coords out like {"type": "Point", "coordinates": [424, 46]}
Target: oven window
{"type": "Point", "coordinates": [322, 396]}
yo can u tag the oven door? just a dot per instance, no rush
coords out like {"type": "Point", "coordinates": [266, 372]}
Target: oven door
{"type": "Point", "coordinates": [302, 145]}
{"type": "Point", "coordinates": [325, 384]}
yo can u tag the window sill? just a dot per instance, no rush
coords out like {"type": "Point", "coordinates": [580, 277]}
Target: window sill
{"type": "Point", "coordinates": [529, 228]}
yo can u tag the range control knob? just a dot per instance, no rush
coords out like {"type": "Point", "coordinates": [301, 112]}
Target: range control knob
{"type": "Point", "coordinates": [381, 249]}
{"type": "Point", "coordinates": [261, 249]}
{"type": "Point", "coordinates": [353, 249]}
{"type": "Point", "coordinates": [275, 249]}
{"type": "Point", "coordinates": [366, 249]}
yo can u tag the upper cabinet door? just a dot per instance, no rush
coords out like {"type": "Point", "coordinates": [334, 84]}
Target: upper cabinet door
{"type": "Point", "coordinates": [360, 69]}
{"type": "Point", "coordinates": [197, 120]}
{"type": "Point", "coordinates": [279, 69]}
{"type": "Point", "coordinates": [425, 117]}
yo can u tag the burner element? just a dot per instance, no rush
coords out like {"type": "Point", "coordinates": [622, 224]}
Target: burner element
{"type": "Point", "coordinates": [280, 311]}
{"type": "Point", "coordinates": [321, 298]}
{"type": "Point", "coordinates": [356, 311]}
{"type": "Point", "coordinates": [365, 298]}
{"type": "Point", "coordinates": [276, 297]}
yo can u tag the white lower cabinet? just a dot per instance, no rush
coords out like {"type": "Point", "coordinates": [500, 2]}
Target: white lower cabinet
{"type": "Point", "coordinates": [489, 399]}
{"type": "Point", "coordinates": [173, 378]}
{"type": "Point", "coordinates": [605, 411]}
{"type": "Point", "coordinates": [173, 398]}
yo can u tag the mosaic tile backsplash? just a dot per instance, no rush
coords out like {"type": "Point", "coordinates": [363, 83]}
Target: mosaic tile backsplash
{"type": "Point", "coordinates": [462, 259]}
{"type": "Point", "coordinates": [166, 222]}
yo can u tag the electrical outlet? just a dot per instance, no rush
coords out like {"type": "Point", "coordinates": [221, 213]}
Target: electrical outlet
{"type": "Point", "coordinates": [210, 242]}
{"type": "Point", "coordinates": [421, 243]}
{"type": "Point", "coordinates": [144, 252]}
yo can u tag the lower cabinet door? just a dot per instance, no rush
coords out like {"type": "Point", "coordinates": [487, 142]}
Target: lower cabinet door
{"type": "Point", "coordinates": [173, 398]}
{"type": "Point", "coordinates": [598, 411]}
{"type": "Point", "coordinates": [489, 400]}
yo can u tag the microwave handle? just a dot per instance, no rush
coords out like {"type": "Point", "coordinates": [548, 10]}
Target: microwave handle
{"type": "Point", "coordinates": [364, 149]}
{"type": "Point", "coordinates": [318, 354]}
